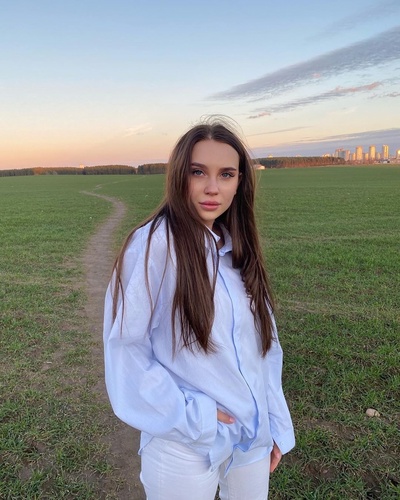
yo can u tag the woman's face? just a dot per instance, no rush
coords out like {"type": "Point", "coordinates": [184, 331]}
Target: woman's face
{"type": "Point", "coordinates": [214, 179]}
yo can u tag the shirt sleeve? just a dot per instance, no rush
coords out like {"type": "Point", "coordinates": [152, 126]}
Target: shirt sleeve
{"type": "Point", "coordinates": [142, 392]}
{"type": "Point", "coordinates": [279, 416]}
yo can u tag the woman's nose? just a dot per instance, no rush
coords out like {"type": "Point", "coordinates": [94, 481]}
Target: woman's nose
{"type": "Point", "coordinates": [211, 186]}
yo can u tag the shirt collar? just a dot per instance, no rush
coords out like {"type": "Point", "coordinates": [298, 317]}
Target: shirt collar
{"type": "Point", "coordinates": [227, 241]}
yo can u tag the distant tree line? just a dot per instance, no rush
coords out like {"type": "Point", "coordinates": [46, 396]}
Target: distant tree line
{"type": "Point", "coordinates": [152, 168]}
{"type": "Point", "coordinates": [299, 161]}
{"type": "Point", "coordinates": [109, 170]}
{"type": "Point", "coordinates": [160, 168]}
{"type": "Point", "coordinates": [16, 172]}
{"type": "Point", "coordinates": [97, 170]}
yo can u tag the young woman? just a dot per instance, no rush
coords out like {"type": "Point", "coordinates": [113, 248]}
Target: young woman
{"type": "Point", "coordinates": [192, 355]}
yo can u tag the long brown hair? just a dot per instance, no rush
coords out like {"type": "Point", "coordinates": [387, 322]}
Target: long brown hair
{"type": "Point", "coordinates": [193, 301]}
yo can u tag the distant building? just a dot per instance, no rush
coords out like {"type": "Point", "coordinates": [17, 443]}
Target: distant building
{"type": "Point", "coordinates": [398, 154]}
{"type": "Point", "coordinates": [343, 153]}
{"type": "Point", "coordinates": [359, 153]}
{"type": "Point", "coordinates": [366, 157]}
{"type": "Point", "coordinates": [338, 152]}
{"type": "Point", "coordinates": [258, 166]}
{"type": "Point", "coordinates": [385, 152]}
{"type": "Point", "coordinates": [372, 152]}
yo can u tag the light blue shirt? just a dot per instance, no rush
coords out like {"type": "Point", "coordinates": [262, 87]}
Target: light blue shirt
{"type": "Point", "coordinates": [177, 397]}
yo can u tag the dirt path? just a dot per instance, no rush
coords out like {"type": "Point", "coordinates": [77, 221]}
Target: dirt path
{"type": "Point", "coordinates": [98, 260]}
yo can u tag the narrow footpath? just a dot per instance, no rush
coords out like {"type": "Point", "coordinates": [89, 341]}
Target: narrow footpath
{"type": "Point", "coordinates": [98, 260]}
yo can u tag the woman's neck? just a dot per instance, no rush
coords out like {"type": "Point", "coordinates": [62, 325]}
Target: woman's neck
{"type": "Point", "coordinates": [218, 231]}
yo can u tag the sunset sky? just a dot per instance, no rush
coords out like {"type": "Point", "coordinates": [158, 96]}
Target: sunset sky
{"type": "Point", "coordinates": [98, 82]}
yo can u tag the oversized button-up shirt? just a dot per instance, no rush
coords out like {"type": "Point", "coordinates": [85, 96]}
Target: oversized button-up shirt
{"type": "Point", "coordinates": [176, 397]}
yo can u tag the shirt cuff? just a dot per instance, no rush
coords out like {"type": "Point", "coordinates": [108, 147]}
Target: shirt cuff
{"type": "Point", "coordinates": [285, 441]}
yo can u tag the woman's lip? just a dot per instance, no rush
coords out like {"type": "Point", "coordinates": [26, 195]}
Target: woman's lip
{"type": "Point", "coordinates": [211, 205]}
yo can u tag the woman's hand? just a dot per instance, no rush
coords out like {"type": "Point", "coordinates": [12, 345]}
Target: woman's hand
{"type": "Point", "coordinates": [224, 417]}
{"type": "Point", "coordinates": [276, 453]}
{"type": "Point", "coordinates": [276, 456]}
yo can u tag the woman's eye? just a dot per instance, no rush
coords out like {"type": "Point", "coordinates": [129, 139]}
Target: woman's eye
{"type": "Point", "coordinates": [226, 175]}
{"type": "Point", "coordinates": [197, 172]}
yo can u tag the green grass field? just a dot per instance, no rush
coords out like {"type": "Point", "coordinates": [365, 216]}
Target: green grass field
{"type": "Point", "coordinates": [332, 241]}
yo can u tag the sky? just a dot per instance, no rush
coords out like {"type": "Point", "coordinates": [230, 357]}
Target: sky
{"type": "Point", "coordinates": [96, 82]}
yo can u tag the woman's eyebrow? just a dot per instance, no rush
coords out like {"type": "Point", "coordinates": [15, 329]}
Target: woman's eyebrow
{"type": "Point", "coordinates": [201, 165]}
{"type": "Point", "coordinates": [196, 164]}
{"type": "Point", "coordinates": [233, 169]}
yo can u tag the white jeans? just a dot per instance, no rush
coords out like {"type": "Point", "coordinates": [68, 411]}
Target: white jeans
{"type": "Point", "coordinates": [172, 471]}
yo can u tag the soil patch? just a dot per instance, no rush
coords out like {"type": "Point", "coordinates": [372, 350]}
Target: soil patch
{"type": "Point", "coordinates": [124, 441]}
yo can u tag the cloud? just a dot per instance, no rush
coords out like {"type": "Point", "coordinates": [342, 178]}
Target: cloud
{"type": "Point", "coordinates": [292, 129]}
{"type": "Point", "coordinates": [138, 130]}
{"type": "Point", "coordinates": [389, 94]}
{"type": "Point", "coordinates": [368, 53]}
{"type": "Point", "coordinates": [259, 115]}
{"type": "Point", "coordinates": [344, 111]}
{"type": "Point", "coordinates": [324, 96]}
{"type": "Point", "coordinates": [328, 144]}
{"type": "Point", "coordinates": [381, 135]}
{"type": "Point", "coordinates": [364, 15]}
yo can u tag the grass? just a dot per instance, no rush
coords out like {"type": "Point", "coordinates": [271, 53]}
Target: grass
{"type": "Point", "coordinates": [50, 419]}
{"type": "Point", "coordinates": [331, 238]}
